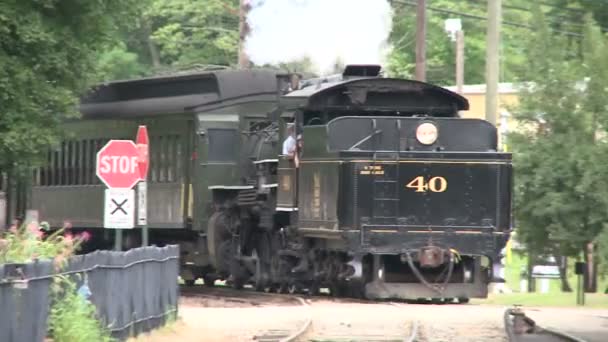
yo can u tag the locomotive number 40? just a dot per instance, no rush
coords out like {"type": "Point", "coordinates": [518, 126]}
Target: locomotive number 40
{"type": "Point", "coordinates": [435, 184]}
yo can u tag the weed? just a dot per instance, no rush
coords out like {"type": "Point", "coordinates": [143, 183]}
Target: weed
{"type": "Point", "coordinates": [73, 318]}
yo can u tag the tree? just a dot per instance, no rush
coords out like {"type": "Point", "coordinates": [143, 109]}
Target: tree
{"type": "Point", "coordinates": [440, 50]}
{"type": "Point", "coordinates": [48, 53]}
{"type": "Point", "coordinates": [561, 194]}
{"type": "Point", "coordinates": [119, 63]}
{"type": "Point", "coordinates": [562, 16]}
{"type": "Point", "coordinates": [189, 33]}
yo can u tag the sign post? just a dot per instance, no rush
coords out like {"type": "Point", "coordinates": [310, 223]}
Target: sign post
{"type": "Point", "coordinates": [142, 187]}
{"type": "Point", "coordinates": [117, 167]}
{"type": "Point", "coordinates": [579, 270]}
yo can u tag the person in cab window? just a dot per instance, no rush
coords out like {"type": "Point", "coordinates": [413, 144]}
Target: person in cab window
{"type": "Point", "coordinates": [289, 145]}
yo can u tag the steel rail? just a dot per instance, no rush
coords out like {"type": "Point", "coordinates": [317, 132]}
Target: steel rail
{"type": "Point", "coordinates": [304, 328]}
{"type": "Point", "coordinates": [521, 327]}
{"type": "Point", "coordinates": [274, 335]}
{"type": "Point", "coordinates": [415, 327]}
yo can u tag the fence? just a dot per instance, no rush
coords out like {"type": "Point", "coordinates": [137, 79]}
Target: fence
{"type": "Point", "coordinates": [134, 291]}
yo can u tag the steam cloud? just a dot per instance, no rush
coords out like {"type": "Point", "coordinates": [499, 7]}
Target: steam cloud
{"type": "Point", "coordinates": [354, 31]}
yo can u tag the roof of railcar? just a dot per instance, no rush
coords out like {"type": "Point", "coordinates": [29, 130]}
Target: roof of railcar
{"type": "Point", "coordinates": [177, 93]}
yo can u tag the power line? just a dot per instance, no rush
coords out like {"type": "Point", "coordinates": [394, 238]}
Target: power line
{"type": "Point", "coordinates": [472, 16]}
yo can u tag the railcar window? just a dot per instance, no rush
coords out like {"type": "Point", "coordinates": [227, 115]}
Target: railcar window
{"type": "Point", "coordinates": [222, 144]}
{"type": "Point", "coordinates": [166, 158]}
{"type": "Point", "coordinates": [73, 162]}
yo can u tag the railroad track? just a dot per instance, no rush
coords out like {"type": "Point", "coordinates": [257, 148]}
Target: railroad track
{"type": "Point", "coordinates": [305, 332]}
{"type": "Point", "coordinates": [288, 335]}
{"type": "Point", "coordinates": [521, 328]}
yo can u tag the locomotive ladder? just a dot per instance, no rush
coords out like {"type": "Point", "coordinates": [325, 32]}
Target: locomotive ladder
{"type": "Point", "coordinates": [385, 203]}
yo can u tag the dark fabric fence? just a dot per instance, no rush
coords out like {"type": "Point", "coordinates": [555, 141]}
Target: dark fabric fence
{"type": "Point", "coordinates": [134, 292]}
{"type": "Point", "coordinates": [24, 307]}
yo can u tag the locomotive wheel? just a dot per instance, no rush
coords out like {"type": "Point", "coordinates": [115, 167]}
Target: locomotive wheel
{"type": "Point", "coordinates": [338, 290]}
{"type": "Point", "coordinates": [237, 274]}
{"type": "Point", "coordinates": [357, 290]}
{"type": "Point", "coordinates": [281, 288]}
{"type": "Point", "coordinates": [292, 288]}
{"type": "Point", "coordinates": [314, 289]}
{"type": "Point", "coordinates": [268, 289]}
{"type": "Point", "coordinates": [219, 242]}
{"type": "Point", "coordinates": [190, 282]}
{"type": "Point", "coordinates": [262, 254]}
{"type": "Point", "coordinates": [209, 281]}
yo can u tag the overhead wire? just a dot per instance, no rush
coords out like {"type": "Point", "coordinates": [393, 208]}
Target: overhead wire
{"type": "Point", "coordinates": [478, 17]}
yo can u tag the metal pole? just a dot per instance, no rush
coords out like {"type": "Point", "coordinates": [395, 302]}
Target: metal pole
{"type": "Point", "coordinates": [421, 41]}
{"type": "Point", "coordinates": [492, 59]}
{"type": "Point", "coordinates": [142, 211]}
{"type": "Point", "coordinates": [118, 240]}
{"type": "Point", "coordinates": [144, 236]}
{"type": "Point", "coordinates": [459, 60]}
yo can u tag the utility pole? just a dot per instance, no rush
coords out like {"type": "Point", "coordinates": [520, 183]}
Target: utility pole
{"type": "Point", "coordinates": [453, 27]}
{"type": "Point", "coordinates": [421, 41]}
{"type": "Point", "coordinates": [244, 8]}
{"type": "Point", "coordinates": [492, 59]}
{"type": "Point", "coordinates": [459, 60]}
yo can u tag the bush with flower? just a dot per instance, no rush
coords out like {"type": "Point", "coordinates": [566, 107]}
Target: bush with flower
{"type": "Point", "coordinates": [72, 318]}
{"type": "Point", "coordinates": [30, 242]}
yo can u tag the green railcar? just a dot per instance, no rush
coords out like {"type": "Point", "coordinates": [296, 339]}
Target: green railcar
{"type": "Point", "coordinates": [205, 128]}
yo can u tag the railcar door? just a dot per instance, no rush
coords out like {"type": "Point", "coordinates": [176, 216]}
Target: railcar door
{"type": "Point", "coordinates": [217, 160]}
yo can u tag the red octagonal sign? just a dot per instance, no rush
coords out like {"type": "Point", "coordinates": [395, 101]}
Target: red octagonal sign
{"type": "Point", "coordinates": [117, 164]}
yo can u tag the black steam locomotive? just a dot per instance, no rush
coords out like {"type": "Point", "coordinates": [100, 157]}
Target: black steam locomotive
{"type": "Point", "coordinates": [389, 193]}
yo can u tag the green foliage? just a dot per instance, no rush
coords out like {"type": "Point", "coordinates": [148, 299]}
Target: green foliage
{"type": "Point", "coordinates": [441, 50]}
{"type": "Point", "coordinates": [188, 32]}
{"type": "Point", "coordinates": [72, 317]}
{"type": "Point", "coordinates": [561, 197]}
{"type": "Point", "coordinates": [119, 64]}
{"type": "Point", "coordinates": [48, 53]}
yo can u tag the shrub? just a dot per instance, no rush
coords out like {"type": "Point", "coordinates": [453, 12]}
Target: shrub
{"type": "Point", "coordinates": [28, 243]}
{"type": "Point", "coordinates": [72, 317]}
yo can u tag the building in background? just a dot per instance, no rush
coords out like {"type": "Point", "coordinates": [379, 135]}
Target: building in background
{"type": "Point", "coordinates": [507, 99]}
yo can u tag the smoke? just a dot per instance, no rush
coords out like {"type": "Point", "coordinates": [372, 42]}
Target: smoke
{"type": "Point", "coordinates": [352, 31]}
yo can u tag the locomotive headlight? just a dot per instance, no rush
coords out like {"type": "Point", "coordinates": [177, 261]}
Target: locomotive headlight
{"type": "Point", "coordinates": [426, 133]}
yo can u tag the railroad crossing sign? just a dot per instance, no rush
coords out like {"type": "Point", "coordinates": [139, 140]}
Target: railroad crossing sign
{"type": "Point", "coordinates": [118, 164]}
{"type": "Point", "coordinates": [119, 209]}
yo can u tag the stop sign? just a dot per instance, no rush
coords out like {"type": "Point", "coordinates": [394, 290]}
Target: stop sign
{"type": "Point", "coordinates": [117, 164]}
{"type": "Point", "coordinates": [143, 146]}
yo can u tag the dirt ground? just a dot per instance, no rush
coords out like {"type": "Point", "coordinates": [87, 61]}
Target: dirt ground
{"type": "Point", "coordinates": [212, 319]}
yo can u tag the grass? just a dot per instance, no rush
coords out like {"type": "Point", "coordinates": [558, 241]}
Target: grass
{"type": "Point", "coordinates": [555, 297]}
{"type": "Point", "coordinates": [561, 299]}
